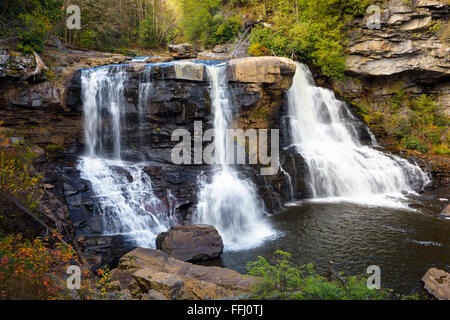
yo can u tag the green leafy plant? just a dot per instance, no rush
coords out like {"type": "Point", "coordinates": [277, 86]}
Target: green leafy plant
{"type": "Point", "coordinates": [282, 279]}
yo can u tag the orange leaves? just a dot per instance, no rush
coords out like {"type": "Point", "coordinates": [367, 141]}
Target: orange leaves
{"type": "Point", "coordinates": [32, 269]}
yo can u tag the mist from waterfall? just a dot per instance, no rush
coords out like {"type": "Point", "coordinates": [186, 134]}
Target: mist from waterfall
{"type": "Point", "coordinates": [124, 191]}
{"type": "Point", "coordinates": [340, 168]}
{"type": "Point", "coordinates": [229, 203]}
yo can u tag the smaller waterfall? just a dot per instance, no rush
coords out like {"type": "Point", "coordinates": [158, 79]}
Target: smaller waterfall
{"type": "Point", "coordinates": [228, 203]}
{"type": "Point", "coordinates": [124, 191]}
{"type": "Point", "coordinates": [340, 168]}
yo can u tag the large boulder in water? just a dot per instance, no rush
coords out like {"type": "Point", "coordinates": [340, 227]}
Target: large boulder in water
{"type": "Point", "coordinates": [190, 243]}
{"type": "Point", "coordinates": [437, 283]}
{"type": "Point", "coordinates": [275, 71]}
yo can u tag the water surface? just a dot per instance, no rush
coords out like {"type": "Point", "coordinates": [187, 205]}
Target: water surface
{"type": "Point", "coordinates": [404, 243]}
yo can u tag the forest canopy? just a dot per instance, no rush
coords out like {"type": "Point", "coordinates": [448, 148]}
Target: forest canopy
{"type": "Point", "coordinates": [309, 30]}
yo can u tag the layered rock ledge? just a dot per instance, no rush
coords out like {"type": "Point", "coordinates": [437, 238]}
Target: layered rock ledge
{"type": "Point", "coordinates": [152, 274]}
{"type": "Point", "coordinates": [410, 50]}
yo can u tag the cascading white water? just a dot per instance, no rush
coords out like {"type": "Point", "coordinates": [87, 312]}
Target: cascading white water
{"type": "Point", "coordinates": [228, 203]}
{"type": "Point", "coordinates": [124, 191]}
{"type": "Point", "coordinates": [340, 168]}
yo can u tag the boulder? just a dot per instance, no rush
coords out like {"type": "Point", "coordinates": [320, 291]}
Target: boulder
{"type": "Point", "coordinates": [208, 55]}
{"type": "Point", "coordinates": [437, 283]}
{"type": "Point", "coordinates": [190, 243]}
{"type": "Point", "coordinates": [175, 279]}
{"type": "Point", "coordinates": [223, 48]}
{"type": "Point", "coordinates": [278, 72]}
{"type": "Point", "coordinates": [169, 285]}
{"type": "Point", "coordinates": [166, 286]}
{"type": "Point", "coordinates": [445, 214]}
{"type": "Point", "coordinates": [182, 51]}
{"type": "Point", "coordinates": [187, 70]}
{"type": "Point", "coordinates": [153, 295]}
{"type": "Point", "coordinates": [158, 59]}
{"type": "Point", "coordinates": [16, 66]}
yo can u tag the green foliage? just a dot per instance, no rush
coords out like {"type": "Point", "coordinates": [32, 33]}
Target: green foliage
{"type": "Point", "coordinates": [17, 175]}
{"type": "Point", "coordinates": [198, 18]}
{"type": "Point", "coordinates": [227, 30]}
{"type": "Point", "coordinates": [258, 50]}
{"type": "Point", "coordinates": [29, 22]}
{"type": "Point", "coordinates": [310, 30]}
{"type": "Point", "coordinates": [31, 34]}
{"type": "Point", "coordinates": [415, 122]}
{"type": "Point", "coordinates": [283, 279]}
{"type": "Point", "coordinates": [88, 39]}
{"type": "Point", "coordinates": [146, 33]}
{"type": "Point", "coordinates": [414, 144]}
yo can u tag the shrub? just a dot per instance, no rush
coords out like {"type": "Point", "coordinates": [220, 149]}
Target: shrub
{"type": "Point", "coordinates": [415, 122]}
{"type": "Point", "coordinates": [283, 279]}
{"type": "Point", "coordinates": [227, 30]}
{"type": "Point", "coordinates": [31, 33]}
{"type": "Point", "coordinates": [88, 39]}
{"type": "Point", "coordinates": [32, 269]}
{"type": "Point", "coordinates": [258, 50]}
{"type": "Point", "coordinates": [312, 31]}
{"type": "Point", "coordinates": [17, 175]}
{"type": "Point", "coordinates": [414, 144]}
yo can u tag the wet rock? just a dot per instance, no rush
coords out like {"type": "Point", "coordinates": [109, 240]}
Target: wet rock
{"type": "Point", "coordinates": [182, 51]}
{"type": "Point", "coordinates": [437, 283]}
{"type": "Point", "coordinates": [190, 243]}
{"type": "Point", "coordinates": [445, 214]}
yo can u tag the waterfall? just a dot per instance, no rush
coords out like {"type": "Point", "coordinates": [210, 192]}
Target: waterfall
{"type": "Point", "coordinates": [229, 203]}
{"type": "Point", "coordinates": [339, 167]}
{"type": "Point", "coordinates": [124, 191]}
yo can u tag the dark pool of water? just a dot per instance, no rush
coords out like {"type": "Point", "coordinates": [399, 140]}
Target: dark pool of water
{"type": "Point", "coordinates": [405, 244]}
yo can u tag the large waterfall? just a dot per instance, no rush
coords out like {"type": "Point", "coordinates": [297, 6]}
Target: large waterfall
{"type": "Point", "coordinates": [229, 203]}
{"type": "Point", "coordinates": [340, 168]}
{"type": "Point", "coordinates": [128, 203]}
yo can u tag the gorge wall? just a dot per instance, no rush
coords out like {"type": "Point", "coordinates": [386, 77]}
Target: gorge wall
{"type": "Point", "coordinates": [48, 114]}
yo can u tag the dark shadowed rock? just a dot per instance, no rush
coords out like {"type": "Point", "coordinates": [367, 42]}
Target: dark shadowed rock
{"type": "Point", "coordinates": [190, 243]}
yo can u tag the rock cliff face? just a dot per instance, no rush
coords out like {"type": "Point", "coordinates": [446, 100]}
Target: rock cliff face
{"type": "Point", "coordinates": [409, 51]}
{"type": "Point", "coordinates": [49, 114]}
{"type": "Point", "coordinates": [179, 97]}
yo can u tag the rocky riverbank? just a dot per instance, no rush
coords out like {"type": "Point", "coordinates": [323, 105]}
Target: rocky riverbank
{"type": "Point", "coordinates": [149, 274]}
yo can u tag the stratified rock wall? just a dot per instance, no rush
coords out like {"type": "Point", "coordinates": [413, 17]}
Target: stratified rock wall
{"type": "Point", "coordinates": [410, 51]}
